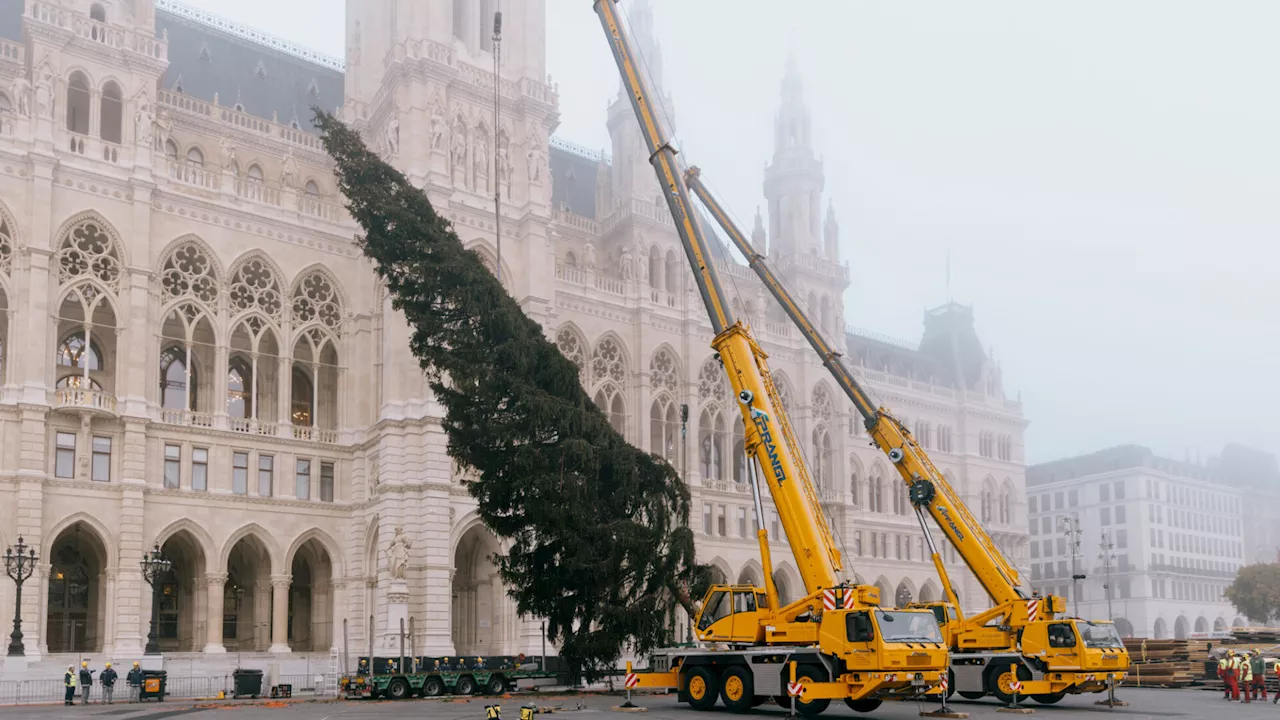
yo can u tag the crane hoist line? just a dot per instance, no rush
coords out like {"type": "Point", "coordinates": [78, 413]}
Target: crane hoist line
{"type": "Point", "coordinates": [836, 642]}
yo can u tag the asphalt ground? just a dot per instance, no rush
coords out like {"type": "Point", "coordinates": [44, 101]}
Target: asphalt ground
{"type": "Point", "coordinates": [1143, 703]}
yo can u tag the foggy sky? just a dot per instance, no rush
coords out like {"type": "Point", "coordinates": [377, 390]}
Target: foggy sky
{"type": "Point", "coordinates": [1103, 174]}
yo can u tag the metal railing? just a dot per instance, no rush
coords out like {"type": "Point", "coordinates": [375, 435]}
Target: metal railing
{"type": "Point", "coordinates": [31, 692]}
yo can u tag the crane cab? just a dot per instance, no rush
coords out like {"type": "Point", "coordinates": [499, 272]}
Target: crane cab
{"type": "Point", "coordinates": [733, 614]}
{"type": "Point", "coordinates": [946, 615]}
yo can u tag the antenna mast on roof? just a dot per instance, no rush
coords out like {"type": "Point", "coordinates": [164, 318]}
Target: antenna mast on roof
{"type": "Point", "coordinates": [497, 105]}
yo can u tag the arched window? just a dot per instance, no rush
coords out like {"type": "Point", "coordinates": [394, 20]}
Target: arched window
{"type": "Point", "coordinates": [570, 259]}
{"type": "Point", "coordinates": [711, 432]}
{"type": "Point", "coordinates": [78, 101]}
{"type": "Point", "coordinates": [300, 407]}
{"type": "Point", "coordinates": [988, 505]}
{"type": "Point", "coordinates": [111, 122]}
{"type": "Point", "coordinates": [1004, 507]}
{"type": "Point", "coordinates": [98, 12]}
{"type": "Point", "coordinates": [171, 150]}
{"type": "Point", "coordinates": [239, 389]}
{"type": "Point", "coordinates": [195, 157]}
{"type": "Point", "coordinates": [672, 280]}
{"type": "Point", "coordinates": [312, 188]}
{"type": "Point", "coordinates": [664, 429]}
{"type": "Point", "coordinates": [740, 458]}
{"type": "Point", "coordinates": [821, 458]}
{"type": "Point", "coordinates": [71, 353]}
{"type": "Point", "coordinates": [255, 172]}
{"type": "Point", "coordinates": [5, 104]}
{"type": "Point", "coordinates": [875, 498]}
{"type": "Point", "coordinates": [655, 268]}
{"type": "Point", "coordinates": [174, 380]}
{"type": "Point", "coordinates": [855, 488]}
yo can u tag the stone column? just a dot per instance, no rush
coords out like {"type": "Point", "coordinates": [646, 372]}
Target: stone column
{"type": "Point", "coordinates": [280, 613]}
{"type": "Point", "coordinates": [213, 617]}
{"type": "Point", "coordinates": [108, 626]}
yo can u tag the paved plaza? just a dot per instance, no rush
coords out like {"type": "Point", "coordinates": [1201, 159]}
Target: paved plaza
{"type": "Point", "coordinates": [1143, 704]}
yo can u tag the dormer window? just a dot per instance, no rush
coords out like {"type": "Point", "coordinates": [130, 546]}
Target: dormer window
{"type": "Point", "coordinates": [260, 72]}
{"type": "Point", "coordinates": [205, 55]}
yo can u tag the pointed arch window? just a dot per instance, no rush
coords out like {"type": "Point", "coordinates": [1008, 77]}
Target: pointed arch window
{"type": "Point", "coordinates": [711, 441]}
{"type": "Point", "coordinates": [255, 172]}
{"type": "Point", "coordinates": [111, 112]}
{"type": "Point", "coordinates": [195, 156]}
{"type": "Point", "coordinates": [300, 408]}
{"type": "Point", "coordinates": [78, 101]}
{"type": "Point", "coordinates": [239, 388]}
{"type": "Point", "coordinates": [177, 375]}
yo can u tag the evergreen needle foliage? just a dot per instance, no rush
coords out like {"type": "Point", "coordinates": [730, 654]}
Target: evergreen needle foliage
{"type": "Point", "coordinates": [599, 543]}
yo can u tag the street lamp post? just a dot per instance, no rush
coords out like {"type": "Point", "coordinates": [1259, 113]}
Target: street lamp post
{"type": "Point", "coordinates": [1107, 557]}
{"type": "Point", "coordinates": [1070, 527]}
{"type": "Point", "coordinates": [154, 564]}
{"type": "Point", "coordinates": [19, 563]}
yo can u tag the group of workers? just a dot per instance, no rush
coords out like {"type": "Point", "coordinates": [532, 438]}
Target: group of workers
{"type": "Point", "coordinates": [83, 680]}
{"type": "Point", "coordinates": [1244, 673]}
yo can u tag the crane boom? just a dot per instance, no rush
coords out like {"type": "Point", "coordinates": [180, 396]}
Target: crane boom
{"type": "Point", "coordinates": [997, 576]}
{"type": "Point", "coordinates": [764, 418]}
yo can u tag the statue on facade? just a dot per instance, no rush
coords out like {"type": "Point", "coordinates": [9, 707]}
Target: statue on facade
{"type": "Point", "coordinates": [459, 145]}
{"type": "Point", "coordinates": [534, 159]}
{"type": "Point", "coordinates": [628, 271]}
{"type": "Point", "coordinates": [398, 555]}
{"type": "Point", "coordinates": [228, 152]}
{"type": "Point", "coordinates": [437, 129]}
{"type": "Point", "coordinates": [22, 95]}
{"type": "Point", "coordinates": [481, 154]}
{"type": "Point", "coordinates": [44, 94]}
{"type": "Point", "coordinates": [163, 124]}
{"type": "Point", "coordinates": [591, 255]}
{"type": "Point", "coordinates": [393, 136]}
{"type": "Point", "coordinates": [289, 175]}
{"type": "Point", "coordinates": [504, 159]}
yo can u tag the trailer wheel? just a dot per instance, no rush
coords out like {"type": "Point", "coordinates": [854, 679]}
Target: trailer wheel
{"type": "Point", "coordinates": [398, 689]}
{"type": "Point", "coordinates": [863, 705]}
{"type": "Point", "coordinates": [433, 687]}
{"type": "Point", "coordinates": [466, 686]}
{"type": "Point", "coordinates": [702, 689]}
{"type": "Point", "coordinates": [497, 685]}
{"type": "Point", "coordinates": [737, 688]}
{"type": "Point", "coordinates": [808, 674]}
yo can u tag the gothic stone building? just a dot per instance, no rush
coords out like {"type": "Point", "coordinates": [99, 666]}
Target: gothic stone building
{"type": "Point", "coordinates": [194, 355]}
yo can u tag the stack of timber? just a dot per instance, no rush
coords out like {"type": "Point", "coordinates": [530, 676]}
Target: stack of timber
{"type": "Point", "coordinates": [1167, 663]}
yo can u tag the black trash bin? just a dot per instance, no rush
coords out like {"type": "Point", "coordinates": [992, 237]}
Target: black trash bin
{"type": "Point", "coordinates": [153, 685]}
{"type": "Point", "coordinates": [247, 682]}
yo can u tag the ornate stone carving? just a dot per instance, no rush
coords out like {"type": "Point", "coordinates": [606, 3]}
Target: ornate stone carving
{"type": "Point", "coordinates": [662, 372]}
{"type": "Point", "coordinates": [608, 362]}
{"type": "Point", "coordinates": [289, 173]}
{"type": "Point", "coordinates": [22, 96]}
{"type": "Point", "coordinates": [627, 263]}
{"type": "Point", "coordinates": [571, 348]}
{"type": "Point", "coordinates": [189, 273]}
{"type": "Point", "coordinates": [6, 248]}
{"type": "Point", "coordinates": [255, 286]}
{"type": "Point", "coordinates": [316, 299]}
{"type": "Point", "coordinates": [712, 383]}
{"type": "Point", "coordinates": [87, 250]}
{"type": "Point", "coordinates": [393, 136]}
{"type": "Point", "coordinates": [459, 145]}
{"type": "Point", "coordinates": [398, 555]}
{"type": "Point", "coordinates": [44, 93]}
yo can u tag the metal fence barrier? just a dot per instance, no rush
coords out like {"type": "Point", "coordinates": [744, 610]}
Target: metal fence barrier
{"type": "Point", "coordinates": [28, 692]}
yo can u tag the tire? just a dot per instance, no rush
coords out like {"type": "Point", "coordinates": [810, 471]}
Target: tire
{"type": "Point", "coordinates": [702, 689]}
{"type": "Point", "coordinates": [398, 689]}
{"type": "Point", "coordinates": [783, 701]}
{"type": "Point", "coordinates": [466, 686]}
{"type": "Point", "coordinates": [433, 687]}
{"type": "Point", "coordinates": [1048, 699]}
{"type": "Point", "coordinates": [951, 683]}
{"type": "Point", "coordinates": [863, 705]}
{"type": "Point", "coordinates": [972, 695]}
{"type": "Point", "coordinates": [497, 685]}
{"type": "Point", "coordinates": [809, 674]}
{"type": "Point", "coordinates": [998, 678]}
{"type": "Point", "coordinates": [737, 688]}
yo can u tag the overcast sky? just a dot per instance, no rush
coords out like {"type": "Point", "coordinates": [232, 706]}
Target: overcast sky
{"type": "Point", "coordinates": [1105, 177]}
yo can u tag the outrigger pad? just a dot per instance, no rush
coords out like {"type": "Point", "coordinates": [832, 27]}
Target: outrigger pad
{"type": "Point", "coordinates": [945, 714]}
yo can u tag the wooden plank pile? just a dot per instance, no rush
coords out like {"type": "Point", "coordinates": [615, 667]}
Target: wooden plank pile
{"type": "Point", "coordinates": [1167, 663]}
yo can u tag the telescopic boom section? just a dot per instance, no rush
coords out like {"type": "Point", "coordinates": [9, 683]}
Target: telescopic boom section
{"type": "Point", "coordinates": [929, 488]}
{"type": "Point", "coordinates": [764, 420]}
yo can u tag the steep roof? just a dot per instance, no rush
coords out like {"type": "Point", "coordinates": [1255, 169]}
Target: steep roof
{"type": "Point", "coordinates": [270, 78]}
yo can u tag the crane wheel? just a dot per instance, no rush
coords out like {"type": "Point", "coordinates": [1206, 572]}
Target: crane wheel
{"type": "Point", "coordinates": [809, 674]}
{"type": "Point", "coordinates": [999, 678]}
{"type": "Point", "coordinates": [1048, 698]}
{"type": "Point", "coordinates": [972, 695]}
{"type": "Point", "coordinates": [863, 705]}
{"type": "Point", "coordinates": [951, 683]}
{"type": "Point", "coordinates": [702, 689]}
{"type": "Point", "coordinates": [737, 688]}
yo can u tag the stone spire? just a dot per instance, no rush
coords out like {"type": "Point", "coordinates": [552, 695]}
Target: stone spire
{"type": "Point", "coordinates": [646, 40]}
{"type": "Point", "coordinates": [793, 181]}
{"type": "Point", "coordinates": [632, 174]}
{"type": "Point", "coordinates": [757, 234]}
{"type": "Point", "coordinates": [831, 233]}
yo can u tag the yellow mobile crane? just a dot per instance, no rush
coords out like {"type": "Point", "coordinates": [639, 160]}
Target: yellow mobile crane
{"type": "Point", "coordinates": [1021, 637]}
{"type": "Point", "coordinates": [842, 644]}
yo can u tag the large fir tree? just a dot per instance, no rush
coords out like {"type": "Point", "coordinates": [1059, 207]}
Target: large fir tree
{"type": "Point", "coordinates": [599, 543]}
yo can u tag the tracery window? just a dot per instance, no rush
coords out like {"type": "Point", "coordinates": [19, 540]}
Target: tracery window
{"type": "Point", "coordinates": [571, 347]}
{"type": "Point", "coordinates": [174, 379]}
{"type": "Point", "coordinates": [87, 250]}
{"type": "Point", "coordinates": [609, 361]}
{"type": "Point", "coordinates": [662, 372]}
{"type": "Point", "coordinates": [713, 385]}
{"type": "Point", "coordinates": [188, 272]}
{"type": "Point", "coordinates": [254, 286]}
{"type": "Point", "coordinates": [609, 399]}
{"type": "Point", "coordinates": [314, 299]}
{"type": "Point", "coordinates": [664, 429]}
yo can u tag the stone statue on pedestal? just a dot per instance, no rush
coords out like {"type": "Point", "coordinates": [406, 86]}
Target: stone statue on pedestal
{"type": "Point", "coordinates": [398, 555]}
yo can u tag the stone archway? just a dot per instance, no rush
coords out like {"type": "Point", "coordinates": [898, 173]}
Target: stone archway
{"type": "Point", "coordinates": [310, 627]}
{"type": "Point", "coordinates": [1219, 625]}
{"type": "Point", "coordinates": [1180, 627]}
{"type": "Point", "coordinates": [1161, 630]}
{"type": "Point", "coordinates": [1202, 624]}
{"type": "Point", "coordinates": [904, 594]}
{"type": "Point", "coordinates": [480, 620]}
{"type": "Point", "coordinates": [246, 607]}
{"type": "Point", "coordinates": [929, 592]}
{"type": "Point", "coordinates": [1124, 627]}
{"type": "Point", "coordinates": [75, 620]}
{"type": "Point", "coordinates": [183, 595]}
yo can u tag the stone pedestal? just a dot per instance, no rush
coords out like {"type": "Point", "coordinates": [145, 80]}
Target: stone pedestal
{"type": "Point", "coordinates": [397, 612]}
{"type": "Point", "coordinates": [15, 664]}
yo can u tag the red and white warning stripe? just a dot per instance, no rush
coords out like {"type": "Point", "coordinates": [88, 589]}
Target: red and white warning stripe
{"type": "Point", "coordinates": [943, 684]}
{"type": "Point", "coordinates": [828, 599]}
{"type": "Point", "coordinates": [891, 677]}
{"type": "Point", "coordinates": [849, 598]}
{"type": "Point", "coordinates": [795, 689]}
{"type": "Point", "coordinates": [1016, 686]}
{"type": "Point", "coordinates": [1033, 607]}
{"type": "Point", "coordinates": [632, 680]}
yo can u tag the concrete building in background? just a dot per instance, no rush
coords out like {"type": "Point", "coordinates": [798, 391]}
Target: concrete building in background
{"type": "Point", "coordinates": [194, 354]}
{"type": "Point", "coordinates": [1174, 531]}
{"type": "Point", "coordinates": [1257, 475]}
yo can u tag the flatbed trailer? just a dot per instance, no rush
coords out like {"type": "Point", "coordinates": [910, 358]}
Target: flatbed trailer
{"type": "Point", "coordinates": [399, 686]}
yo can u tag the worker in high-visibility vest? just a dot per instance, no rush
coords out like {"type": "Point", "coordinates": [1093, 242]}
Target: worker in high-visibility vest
{"type": "Point", "coordinates": [1223, 667]}
{"type": "Point", "coordinates": [1229, 676]}
{"type": "Point", "coordinates": [493, 712]}
{"type": "Point", "coordinates": [1245, 675]}
{"type": "Point", "coordinates": [1258, 665]}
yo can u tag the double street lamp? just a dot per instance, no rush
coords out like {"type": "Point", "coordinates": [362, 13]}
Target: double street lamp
{"type": "Point", "coordinates": [154, 565]}
{"type": "Point", "coordinates": [19, 563]}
